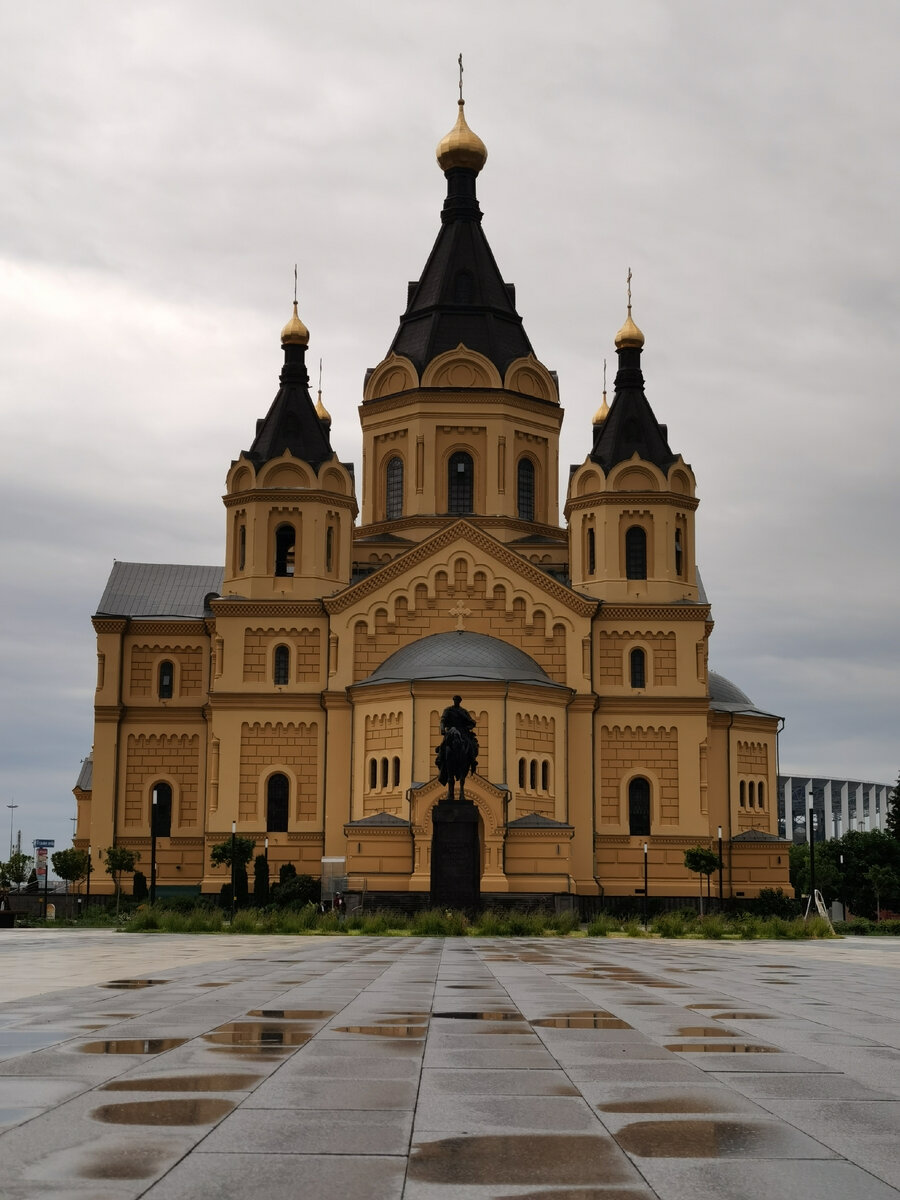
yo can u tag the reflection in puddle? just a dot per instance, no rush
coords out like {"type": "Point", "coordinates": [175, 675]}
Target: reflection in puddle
{"type": "Point", "coordinates": [132, 1046]}
{"type": "Point", "coordinates": [163, 1112]}
{"type": "Point", "coordinates": [569, 1159]}
{"type": "Point", "coordinates": [685, 1103]}
{"type": "Point", "coordinates": [398, 1031]}
{"type": "Point", "coordinates": [223, 1082]}
{"type": "Point", "coordinates": [704, 1139]}
{"type": "Point", "coordinates": [705, 1031]}
{"type": "Point", "coordinates": [225, 984]}
{"type": "Point", "coordinates": [583, 1020]}
{"type": "Point", "coordinates": [744, 1016]}
{"type": "Point", "coordinates": [258, 1033]}
{"type": "Point", "coordinates": [480, 1016]}
{"type": "Point", "coordinates": [135, 1162]}
{"type": "Point", "coordinates": [292, 1014]}
{"type": "Point", "coordinates": [722, 1048]}
{"type": "Point", "coordinates": [130, 984]}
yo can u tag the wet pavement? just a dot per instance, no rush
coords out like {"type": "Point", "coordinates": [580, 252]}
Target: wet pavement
{"type": "Point", "coordinates": [447, 1069]}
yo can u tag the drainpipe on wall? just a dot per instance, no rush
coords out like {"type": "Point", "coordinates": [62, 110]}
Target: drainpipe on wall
{"type": "Point", "coordinates": [121, 706]}
{"type": "Point", "coordinates": [730, 824]}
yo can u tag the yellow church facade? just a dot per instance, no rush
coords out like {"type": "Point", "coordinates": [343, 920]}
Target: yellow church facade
{"type": "Point", "coordinates": [295, 690]}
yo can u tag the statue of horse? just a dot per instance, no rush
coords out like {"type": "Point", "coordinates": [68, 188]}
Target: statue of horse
{"type": "Point", "coordinates": [457, 757]}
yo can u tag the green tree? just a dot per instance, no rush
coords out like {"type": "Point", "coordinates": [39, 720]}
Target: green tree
{"type": "Point", "coordinates": [260, 881]}
{"type": "Point", "coordinates": [892, 821]}
{"type": "Point", "coordinates": [119, 861]}
{"type": "Point", "coordinates": [884, 882]}
{"type": "Point", "coordinates": [220, 855]}
{"type": "Point", "coordinates": [139, 890]}
{"type": "Point", "coordinates": [702, 862]}
{"type": "Point", "coordinates": [18, 868]}
{"type": "Point", "coordinates": [70, 865]}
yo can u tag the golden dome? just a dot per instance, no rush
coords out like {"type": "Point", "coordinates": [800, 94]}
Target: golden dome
{"type": "Point", "coordinates": [321, 411]}
{"type": "Point", "coordinates": [295, 332]}
{"type": "Point", "coordinates": [629, 334]}
{"type": "Point", "coordinates": [461, 147]}
{"type": "Point", "coordinates": [602, 412]}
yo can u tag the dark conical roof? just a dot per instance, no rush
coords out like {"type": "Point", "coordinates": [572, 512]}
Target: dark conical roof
{"type": "Point", "coordinates": [292, 422]}
{"type": "Point", "coordinates": [461, 296]}
{"type": "Point", "coordinates": [631, 426]}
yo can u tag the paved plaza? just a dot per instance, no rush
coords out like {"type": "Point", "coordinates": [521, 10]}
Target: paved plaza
{"type": "Point", "coordinates": [446, 1069]}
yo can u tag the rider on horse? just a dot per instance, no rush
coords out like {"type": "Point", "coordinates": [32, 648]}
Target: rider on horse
{"type": "Point", "coordinates": [455, 718]}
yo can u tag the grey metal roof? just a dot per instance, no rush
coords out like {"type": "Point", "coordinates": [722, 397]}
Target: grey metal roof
{"type": "Point", "coordinates": [380, 819]}
{"type": "Point", "coordinates": [85, 779]}
{"type": "Point", "coordinates": [536, 821]}
{"type": "Point", "coordinates": [460, 656]}
{"type": "Point", "coordinates": [725, 696]}
{"type": "Point", "coordinates": [158, 590]}
{"type": "Point", "coordinates": [758, 835]}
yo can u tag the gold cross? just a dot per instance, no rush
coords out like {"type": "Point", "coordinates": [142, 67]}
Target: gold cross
{"type": "Point", "coordinates": [459, 60]}
{"type": "Point", "coordinates": [460, 611]}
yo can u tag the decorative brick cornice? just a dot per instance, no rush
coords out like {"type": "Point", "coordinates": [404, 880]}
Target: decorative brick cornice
{"type": "Point", "coordinates": [655, 612]}
{"type": "Point", "coordinates": [153, 627]}
{"type": "Point", "coordinates": [630, 499]}
{"type": "Point", "coordinates": [355, 833]}
{"type": "Point", "coordinates": [541, 835]}
{"type": "Point", "coordinates": [110, 624]}
{"type": "Point", "coordinates": [290, 498]}
{"type": "Point", "coordinates": [308, 702]}
{"type": "Point", "coordinates": [240, 606]}
{"type": "Point", "coordinates": [652, 839]}
{"type": "Point", "coordinates": [478, 397]}
{"type": "Point", "coordinates": [553, 533]}
{"type": "Point", "coordinates": [436, 547]}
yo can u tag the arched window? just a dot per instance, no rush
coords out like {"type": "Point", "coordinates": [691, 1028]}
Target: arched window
{"type": "Point", "coordinates": [639, 808]}
{"type": "Point", "coordinates": [521, 772]}
{"type": "Point", "coordinates": [638, 664]}
{"type": "Point", "coordinates": [166, 680]}
{"type": "Point", "coordinates": [384, 772]}
{"type": "Point", "coordinates": [460, 483]}
{"type": "Point", "coordinates": [532, 775]}
{"type": "Point", "coordinates": [396, 765]}
{"type": "Point", "coordinates": [636, 553]}
{"type": "Point", "coordinates": [525, 490]}
{"type": "Point", "coordinates": [285, 545]}
{"type": "Point", "coordinates": [679, 553]}
{"type": "Point", "coordinates": [162, 809]}
{"type": "Point", "coordinates": [242, 547]}
{"type": "Point", "coordinates": [591, 552]}
{"type": "Point", "coordinates": [545, 776]}
{"type": "Point", "coordinates": [751, 794]}
{"type": "Point", "coordinates": [393, 490]}
{"type": "Point", "coordinates": [281, 665]}
{"type": "Point", "coordinates": [742, 792]}
{"type": "Point", "coordinates": [278, 791]}
{"type": "Point", "coordinates": [329, 549]}
{"type": "Point", "coordinates": [759, 795]}
{"type": "Point", "coordinates": [373, 774]}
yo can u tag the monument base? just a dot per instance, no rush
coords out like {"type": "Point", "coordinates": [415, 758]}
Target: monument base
{"type": "Point", "coordinates": [455, 855]}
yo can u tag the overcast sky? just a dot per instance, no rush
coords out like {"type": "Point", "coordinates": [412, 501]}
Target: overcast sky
{"type": "Point", "coordinates": [165, 164]}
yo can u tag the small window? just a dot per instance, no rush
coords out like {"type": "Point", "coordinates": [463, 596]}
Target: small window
{"type": "Point", "coordinates": [639, 808]}
{"type": "Point", "coordinates": [638, 664]}
{"type": "Point", "coordinates": [393, 490]}
{"type": "Point", "coordinates": [285, 546]}
{"type": "Point", "coordinates": [329, 549]}
{"type": "Point", "coordinates": [242, 547]}
{"type": "Point", "coordinates": [636, 553]}
{"type": "Point", "coordinates": [460, 483]}
{"type": "Point", "coordinates": [384, 772]}
{"type": "Point", "coordinates": [532, 775]}
{"type": "Point", "coordinates": [591, 552]}
{"type": "Point", "coordinates": [396, 765]}
{"type": "Point", "coordinates": [545, 776]}
{"type": "Point", "coordinates": [742, 792]}
{"type": "Point", "coordinates": [759, 795]}
{"type": "Point", "coordinates": [522, 773]}
{"type": "Point", "coordinates": [679, 553]}
{"type": "Point", "coordinates": [166, 680]}
{"type": "Point", "coordinates": [281, 666]}
{"type": "Point", "coordinates": [373, 774]}
{"type": "Point", "coordinates": [751, 794]}
{"type": "Point", "coordinates": [278, 792]}
{"type": "Point", "coordinates": [162, 809]}
{"type": "Point", "coordinates": [525, 490]}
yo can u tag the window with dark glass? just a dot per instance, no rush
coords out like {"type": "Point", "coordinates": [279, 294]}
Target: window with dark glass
{"type": "Point", "coordinates": [460, 483]}
{"type": "Point", "coordinates": [760, 795]}
{"type": "Point", "coordinates": [281, 665]}
{"type": "Point", "coordinates": [638, 663]}
{"type": "Point", "coordinates": [393, 490]}
{"type": "Point", "coordinates": [162, 809]}
{"type": "Point", "coordinates": [639, 808]}
{"type": "Point", "coordinates": [591, 552]}
{"type": "Point", "coordinates": [532, 775]}
{"type": "Point", "coordinates": [396, 766]}
{"type": "Point", "coordinates": [278, 791]}
{"type": "Point", "coordinates": [285, 544]}
{"type": "Point", "coordinates": [743, 794]}
{"type": "Point", "coordinates": [521, 772]}
{"type": "Point", "coordinates": [242, 547]}
{"type": "Point", "coordinates": [525, 491]}
{"type": "Point", "coordinates": [679, 553]}
{"type": "Point", "coordinates": [373, 774]}
{"type": "Point", "coordinates": [329, 548]}
{"type": "Point", "coordinates": [166, 680]}
{"type": "Point", "coordinates": [636, 553]}
{"type": "Point", "coordinates": [751, 794]}
{"type": "Point", "coordinates": [545, 776]}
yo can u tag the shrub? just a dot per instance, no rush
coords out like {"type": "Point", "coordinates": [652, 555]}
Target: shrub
{"type": "Point", "coordinates": [490, 923]}
{"type": "Point", "coordinates": [713, 926]}
{"type": "Point", "coordinates": [774, 902]}
{"type": "Point", "coordinates": [677, 924]}
{"type": "Point", "coordinates": [296, 891]}
{"type": "Point", "coordinates": [632, 927]}
{"type": "Point", "coordinates": [139, 887]}
{"type": "Point", "coordinates": [750, 927]}
{"type": "Point", "coordinates": [602, 924]}
{"type": "Point", "coordinates": [286, 871]}
{"type": "Point", "coordinates": [563, 923]}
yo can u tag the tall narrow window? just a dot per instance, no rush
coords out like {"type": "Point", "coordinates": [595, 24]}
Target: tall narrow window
{"type": "Point", "coordinates": [751, 794]}
{"type": "Point", "coordinates": [166, 680]}
{"type": "Point", "coordinates": [278, 791]}
{"type": "Point", "coordinates": [396, 767]}
{"type": "Point", "coordinates": [679, 553]}
{"type": "Point", "coordinates": [242, 547]}
{"type": "Point", "coordinates": [545, 776]}
{"type": "Point", "coordinates": [521, 772]}
{"type": "Point", "coordinates": [638, 664]}
{"type": "Point", "coordinates": [373, 774]}
{"type": "Point", "coordinates": [460, 482]}
{"type": "Point", "coordinates": [742, 792]}
{"type": "Point", "coordinates": [384, 772]}
{"type": "Point", "coordinates": [162, 809]}
{"type": "Point", "coordinates": [760, 795]}
{"type": "Point", "coordinates": [532, 775]}
{"type": "Point", "coordinates": [285, 545]}
{"type": "Point", "coordinates": [591, 552]}
{"type": "Point", "coordinates": [639, 808]}
{"type": "Point", "coordinates": [393, 490]}
{"type": "Point", "coordinates": [636, 553]}
{"type": "Point", "coordinates": [281, 666]}
{"type": "Point", "coordinates": [329, 549]}
{"type": "Point", "coordinates": [525, 490]}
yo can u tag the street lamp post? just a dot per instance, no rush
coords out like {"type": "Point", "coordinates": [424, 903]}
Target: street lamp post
{"type": "Point", "coordinates": [87, 888]}
{"type": "Point", "coordinates": [843, 891]}
{"type": "Point", "coordinates": [233, 897]}
{"type": "Point", "coordinates": [721, 893]}
{"type": "Point", "coordinates": [12, 815]}
{"type": "Point", "coordinates": [153, 850]}
{"type": "Point", "coordinates": [812, 855]}
{"type": "Point", "coordinates": [645, 885]}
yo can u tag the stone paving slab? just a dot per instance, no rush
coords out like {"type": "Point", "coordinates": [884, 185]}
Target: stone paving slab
{"type": "Point", "coordinates": [166, 1066]}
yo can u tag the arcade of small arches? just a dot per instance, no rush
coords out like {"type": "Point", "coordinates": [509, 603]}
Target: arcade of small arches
{"type": "Point", "coordinates": [461, 486]}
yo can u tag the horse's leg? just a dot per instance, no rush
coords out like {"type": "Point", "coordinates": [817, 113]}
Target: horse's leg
{"type": "Point", "coordinates": [462, 793]}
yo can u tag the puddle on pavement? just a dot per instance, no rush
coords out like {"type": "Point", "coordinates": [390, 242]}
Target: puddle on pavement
{"type": "Point", "coordinates": [744, 1016]}
{"type": "Point", "coordinates": [292, 1014]}
{"type": "Point", "coordinates": [126, 1162]}
{"type": "Point", "coordinates": [132, 1046]}
{"type": "Point", "coordinates": [582, 1020]}
{"type": "Point", "coordinates": [705, 1031]}
{"type": "Point", "coordinates": [225, 984]}
{"type": "Point", "coordinates": [703, 1139]}
{"type": "Point", "coordinates": [131, 984]}
{"type": "Point", "coordinates": [163, 1112]}
{"type": "Point", "coordinates": [481, 1016]}
{"type": "Point", "coordinates": [386, 1030]}
{"type": "Point", "coordinates": [721, 1048]}
{"type": "Point", "coordinates": [684, 1103]}
{"type": "Point", "coordinates": [258, 1033]}
{"type": "Point", "coordinates": [184, 1083]}
{"type": "Point", "coordinates": [535, 1159]}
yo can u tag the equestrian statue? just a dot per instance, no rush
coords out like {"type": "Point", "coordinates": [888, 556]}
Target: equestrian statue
{"type": "Point", "coordinates": [457, 755]}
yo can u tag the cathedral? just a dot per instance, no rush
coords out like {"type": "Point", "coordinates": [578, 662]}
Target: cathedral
{"type": "Point", "coordinates": [294, 691]}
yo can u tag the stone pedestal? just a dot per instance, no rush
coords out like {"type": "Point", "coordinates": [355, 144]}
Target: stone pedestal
{"type": "Point", "coordinates": [455, 855]}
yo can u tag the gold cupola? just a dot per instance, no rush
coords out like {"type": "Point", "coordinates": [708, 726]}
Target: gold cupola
{"type": "Point", "coordinates": [295, 332]}
{"type": "Point", "coordinates": [629, 336]}
{"type": "Point", "coordinates": [602, 412]}
{"type": "Point", "coordinates": [321, 411]}
{"type": "Point", "coordinates": [461, 147]}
